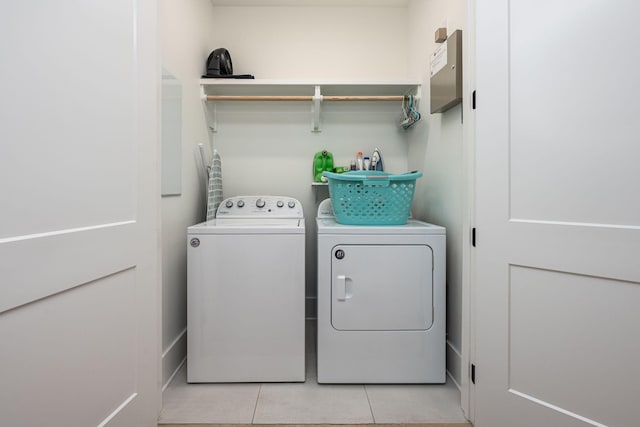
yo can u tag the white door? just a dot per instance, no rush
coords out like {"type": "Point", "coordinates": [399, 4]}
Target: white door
{"type": "Point", "coordinates": [79, 190]}
{"type": "Point", "coordinates": [558, 213]}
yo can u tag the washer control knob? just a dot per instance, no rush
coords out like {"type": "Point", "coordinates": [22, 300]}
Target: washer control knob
{"type": "Point", "coordinates": [291, 204]}
{"type": "Point", "coordinates": [229, 204]}
{"type": "Point", "coordinates": [260, 203]}
{"type": "Point", "coordinates": [280, 203]}
{"type": "Point", "coordinates": [240, 203]}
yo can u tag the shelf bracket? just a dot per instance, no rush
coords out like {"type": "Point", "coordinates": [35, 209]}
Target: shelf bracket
{"type": "Point", "coordinates": [209, 111]}
{"type": "Point", "coordinates": [315, 109]}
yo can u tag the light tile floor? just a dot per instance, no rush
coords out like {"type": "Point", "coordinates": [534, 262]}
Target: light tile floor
{"type": "Point", "coordinates": [309, 402]}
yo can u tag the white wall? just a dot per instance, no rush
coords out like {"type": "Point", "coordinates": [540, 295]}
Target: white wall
{"type": "Point", "coordinates": [268, 148]}
{"type": "Point", "coordinates": [332, 42]}
{"type": "Point", "coordinates": [184, 32]}
{"type": "Point", "coordinates": [436, 148]}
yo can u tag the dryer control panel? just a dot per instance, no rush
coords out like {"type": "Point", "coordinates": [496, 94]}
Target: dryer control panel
{"type": "Point", "coordinates": [260, 207]}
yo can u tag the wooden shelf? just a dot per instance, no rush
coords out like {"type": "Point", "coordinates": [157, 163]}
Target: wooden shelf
{"type": "Point", "coordinates": [268, 87]}
{"type": "Point", "coordinates": [306, 91]}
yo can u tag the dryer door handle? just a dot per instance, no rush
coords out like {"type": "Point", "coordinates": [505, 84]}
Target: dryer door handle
{"type": "Point", "coordinates": [342, 293]}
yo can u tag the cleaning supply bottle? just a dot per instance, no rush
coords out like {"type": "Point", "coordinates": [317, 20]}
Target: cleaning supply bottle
{"type": "Point", "coordinates": [359, 161]}
{"type": "Point", "coordinates": [322, 161]}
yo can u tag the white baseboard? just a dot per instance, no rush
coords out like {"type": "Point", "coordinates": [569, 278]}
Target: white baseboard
{"type": "Point", "coordinates": [173, 358]}
{"type": "Point", "coordinates": [166, 384]}
{"type": "Point", "coordinates": [454, 364]}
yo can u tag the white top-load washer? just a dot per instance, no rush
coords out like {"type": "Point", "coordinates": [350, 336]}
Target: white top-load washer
{"type": "Point", "coordinates": [246, 292]}
{"type": "Point", "coordinates": [381, 302]}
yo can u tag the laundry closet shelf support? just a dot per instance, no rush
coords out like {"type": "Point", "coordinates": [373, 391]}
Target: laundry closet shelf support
{"type": "Point", "coordinates": [213, 91]}
{"type": "Point", "coordinates": [315, 109]}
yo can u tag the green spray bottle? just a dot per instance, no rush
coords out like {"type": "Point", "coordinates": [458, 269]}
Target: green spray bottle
{"type": "Point", "coordinates": [322, 161]}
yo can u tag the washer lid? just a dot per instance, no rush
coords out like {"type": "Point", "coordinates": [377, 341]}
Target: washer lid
{"type": "Point", "coordinates": [249, 226]}
{"type": "Point", "coordinates": [413, 226]}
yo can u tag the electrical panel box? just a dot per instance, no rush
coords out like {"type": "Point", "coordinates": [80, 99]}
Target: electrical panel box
{"type": "Point", "coordinates": [446, 74]}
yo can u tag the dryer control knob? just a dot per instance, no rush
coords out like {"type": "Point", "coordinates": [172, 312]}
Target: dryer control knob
{"type": "Point", "coordinates": [260, 203]}
{"type": "Point", "coordinates": [240, 203]}
{"type": "Point", "coordinates": [291, 204]}
{"type": "Point", "coordinates": [280, 203]}
{"type": "Point", "coordinates": [229, 204]}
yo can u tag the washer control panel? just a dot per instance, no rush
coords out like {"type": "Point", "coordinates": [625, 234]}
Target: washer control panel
{"type": "Point", "coordinates": [260, 207]}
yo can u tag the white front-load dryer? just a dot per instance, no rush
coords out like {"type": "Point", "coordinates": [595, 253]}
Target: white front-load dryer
{"type": "Point", "coordinates": [246, 293]}
{"type": "Point", "coordinates": [381, 302]}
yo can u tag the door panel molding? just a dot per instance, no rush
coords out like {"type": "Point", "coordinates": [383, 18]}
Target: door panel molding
{"type": "Point", "coordinates": [74, 353]}
{"type": "Point", "coordinates": [575, 248]}
{"type": "Point", "coordinates": [120, 416]}
{"type": "Point", "coordinates": [40, 265]}
{"type": "Point", "coordinates": [573, 224]}
{"type": "Point", "coordinates": [555, 408]}
{"type": "Point", "coordinates": [561, 328]}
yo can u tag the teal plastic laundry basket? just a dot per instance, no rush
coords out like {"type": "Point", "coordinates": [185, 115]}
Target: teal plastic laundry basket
{"type": "Point", "coordinates": [371, 197]}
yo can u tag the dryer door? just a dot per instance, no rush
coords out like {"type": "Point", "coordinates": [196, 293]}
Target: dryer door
{"type": "Point", "coordinates": [382, 287]}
